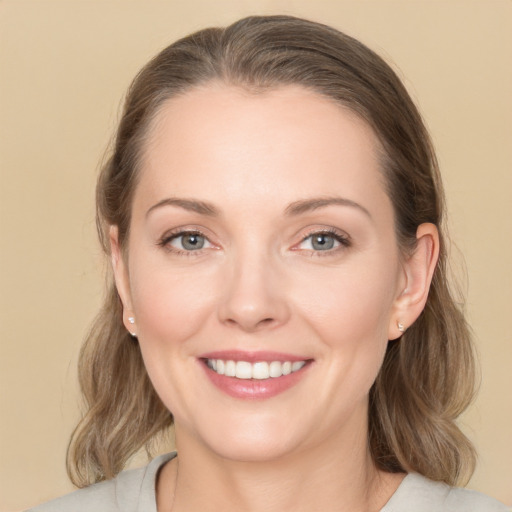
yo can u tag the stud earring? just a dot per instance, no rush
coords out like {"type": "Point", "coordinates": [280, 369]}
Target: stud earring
{"type": "Point", "coordinates": [400, 326]}
{"type": "Point", "coordinates": [131, 319]}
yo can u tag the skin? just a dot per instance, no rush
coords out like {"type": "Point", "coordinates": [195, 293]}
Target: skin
{"type": "Point", "coordinates": [258, 283]}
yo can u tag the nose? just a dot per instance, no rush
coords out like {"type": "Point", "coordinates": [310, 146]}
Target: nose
{"type": "Point", "coordinates": [254, 296]}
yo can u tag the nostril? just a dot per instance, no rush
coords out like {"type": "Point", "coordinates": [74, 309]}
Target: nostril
{"type": "Point", "coordinates": [251, 326]}
{"type": "Point", "coordinates": [265, 322]}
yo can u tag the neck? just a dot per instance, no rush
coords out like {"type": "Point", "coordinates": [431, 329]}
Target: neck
{"type": "Point", "coordinates": [318, 478]}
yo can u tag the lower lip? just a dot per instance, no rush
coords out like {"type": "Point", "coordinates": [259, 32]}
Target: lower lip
{"type": "Point", "coordinates": [255, 389]}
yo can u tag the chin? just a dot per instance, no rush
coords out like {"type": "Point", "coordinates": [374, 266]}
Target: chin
{"type": "Point", "coordinates": [249, 439]}
{"type": "Point", "coordinates": [254, 450]}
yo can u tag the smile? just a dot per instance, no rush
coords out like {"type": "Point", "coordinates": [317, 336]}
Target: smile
{"type": "Point", "coordinates": [260, 370]}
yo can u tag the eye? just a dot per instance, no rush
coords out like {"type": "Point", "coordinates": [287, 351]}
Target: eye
{"type": "Point", "coordinates": [324, 241]}
{"type": "Point", "coordinates": [186, 241]}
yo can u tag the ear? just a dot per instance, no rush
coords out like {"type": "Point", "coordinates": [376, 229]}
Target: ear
{"type": "Point", "coordinates": [418, 269]}
{"type": "Point", "coordinates": [122, 280]}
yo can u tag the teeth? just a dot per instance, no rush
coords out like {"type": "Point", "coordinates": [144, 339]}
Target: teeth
{"type": "Point", "coordinates": [230, 369]}
{"type": "Point", "coordinates": [243, 370]}
{"type": "Point", "coordinates": [275, 369]}
{"type": "Point", "coordinates": [297, 365]}
{"type": "Point", "coordinates": [260, 370]}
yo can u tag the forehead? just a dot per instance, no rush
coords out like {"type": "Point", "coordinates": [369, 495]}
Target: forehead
{"type": "Point", "coordinates": [284, 142]}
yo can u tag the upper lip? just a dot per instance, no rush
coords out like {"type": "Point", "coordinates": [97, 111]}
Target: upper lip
{"type": "Point", "coordinates": [253, 356]}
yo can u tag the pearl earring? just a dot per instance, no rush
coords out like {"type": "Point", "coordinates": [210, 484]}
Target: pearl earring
{"type": "Point", "coordinates": [400, 326]}
{"type": "Point", "coordinates": [131, 319]}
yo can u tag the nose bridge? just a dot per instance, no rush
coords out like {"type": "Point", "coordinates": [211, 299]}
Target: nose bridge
{"type": "Point", "coordinates": [253, 298]}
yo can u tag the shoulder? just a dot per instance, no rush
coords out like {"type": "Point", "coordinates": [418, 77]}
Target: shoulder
{"type": "Point", "coordinates": [130, 491]}
{"type": "Point", "coordinates": [424, 495]}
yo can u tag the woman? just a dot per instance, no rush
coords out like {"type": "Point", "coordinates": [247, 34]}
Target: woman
{"type": "Point", "coordinates": [274, 216]}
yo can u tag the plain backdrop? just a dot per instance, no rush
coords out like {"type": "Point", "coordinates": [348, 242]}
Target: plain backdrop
{"type": "Point", "coordinates": [64, 67]}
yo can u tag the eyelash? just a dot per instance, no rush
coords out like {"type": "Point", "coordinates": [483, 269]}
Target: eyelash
{"type": "Point", "coordinates": [165, 241]}
{"type": "Point", "coordinates": [342, 239]}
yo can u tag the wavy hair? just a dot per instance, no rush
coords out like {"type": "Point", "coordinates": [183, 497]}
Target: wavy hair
{"type": "Point", "coordinates": [427, 378]}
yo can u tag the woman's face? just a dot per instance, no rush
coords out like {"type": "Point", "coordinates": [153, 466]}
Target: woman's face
{"type": "Point", "coordinates": [261, 244]}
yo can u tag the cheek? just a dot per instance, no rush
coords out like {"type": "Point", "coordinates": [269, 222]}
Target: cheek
{"type": "Point", "coordinates": [170, 305]}
{"type": "Point", "coordinates": [354, 299]}
{"type": "Point", "coordinates": [350, 313]}
{"type": "Point", "coordinates": [171, 308]}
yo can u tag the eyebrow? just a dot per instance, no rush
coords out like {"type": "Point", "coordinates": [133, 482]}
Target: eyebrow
{"type": "Point", "coordinates": [192, 205]}
{"type": "Point", "coordinates": [295, 208]}
{"type": "Point", "coordinates": [308, 205]}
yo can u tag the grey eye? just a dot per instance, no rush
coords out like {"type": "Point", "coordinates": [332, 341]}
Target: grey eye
{"type": "Point", "coordinates": [322, 242]}
{"type": "Point", "coordinates": [189, 241]}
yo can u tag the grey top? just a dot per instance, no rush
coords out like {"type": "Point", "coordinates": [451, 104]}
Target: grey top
{"type": "Point", "coordinates": [134, 491]}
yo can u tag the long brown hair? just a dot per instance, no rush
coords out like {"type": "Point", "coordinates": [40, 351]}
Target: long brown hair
{"type": "Point", "coordinates": [427, 378]}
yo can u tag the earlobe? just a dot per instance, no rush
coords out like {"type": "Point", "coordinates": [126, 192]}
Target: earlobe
{"type": "Point", "coordinates": [418, 269]}
{"type": "Point", "coordinates": [121, 280]}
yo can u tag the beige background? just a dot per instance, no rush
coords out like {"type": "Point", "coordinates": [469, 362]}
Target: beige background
{"type": "Point", "coordinates": [64, 68]}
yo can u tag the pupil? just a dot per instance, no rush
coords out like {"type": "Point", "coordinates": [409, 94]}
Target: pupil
{"type": "Point", "coordinates": [193, 242]}
{"type": "Point", "coordinates": [323, 242]}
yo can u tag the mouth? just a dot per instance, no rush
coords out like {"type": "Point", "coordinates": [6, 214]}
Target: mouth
{"type": "Point", "coordinates": [260, 370]}
{"type": "Point", "coordinates": [254, 375]}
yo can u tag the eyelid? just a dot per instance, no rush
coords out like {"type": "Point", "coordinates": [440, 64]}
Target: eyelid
{"type": "Point", "coordinates": [340, 236]}
{"type": "Point", "coordinates": [173, 234]}
{"type": "Point", "coordinates": [187, 234]}
{"type": "Point", "coordinates": [344, 240]}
